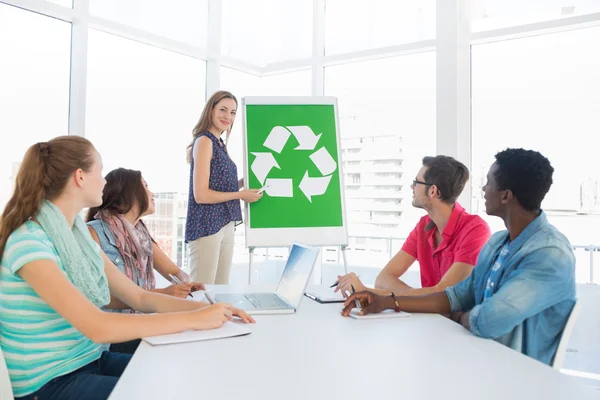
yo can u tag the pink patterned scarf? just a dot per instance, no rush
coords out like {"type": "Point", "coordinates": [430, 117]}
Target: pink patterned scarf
{"type": "Point", "coordinates": [135, 245]}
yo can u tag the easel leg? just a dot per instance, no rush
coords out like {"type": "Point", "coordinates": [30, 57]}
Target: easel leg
{"type": "Point", "coordinates": [343, 248]}
{"type": "Point", "coordinates": [250, 259]}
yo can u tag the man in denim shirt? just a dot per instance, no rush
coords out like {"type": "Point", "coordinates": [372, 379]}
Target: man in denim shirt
{"type": "Point", "coordinates": [522, 289]}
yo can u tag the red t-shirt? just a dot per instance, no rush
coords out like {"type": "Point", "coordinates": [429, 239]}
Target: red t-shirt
{"type": "Point", "coordinates": [462, 239]}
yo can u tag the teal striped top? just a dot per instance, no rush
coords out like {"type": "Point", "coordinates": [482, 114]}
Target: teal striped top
{"type": "Point", "coordinates": [38, 344]}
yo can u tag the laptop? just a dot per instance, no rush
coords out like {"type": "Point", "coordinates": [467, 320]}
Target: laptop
{"type": "Point", "coordinates": [290, 290]}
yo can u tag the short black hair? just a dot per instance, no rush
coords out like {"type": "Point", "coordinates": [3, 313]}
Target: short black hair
{"type": "Point", "coordinates": [526, 173]}
{"type": "Point", "coordinates": [448, 174]}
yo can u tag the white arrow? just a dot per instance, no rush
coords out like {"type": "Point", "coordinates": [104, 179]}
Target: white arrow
{"type": "Point", "coordinates": [307, 140]}
{"type": "Point", "coordinates": [262, 164]}
{"type": "Point", "coordinates": [314, 186]}
{"type": "Point", "coordinates": [277, 139]}
{"type": "Point", "coordinates": [323, 161]}
{"type": "Point", "coordinates": [279, 187]}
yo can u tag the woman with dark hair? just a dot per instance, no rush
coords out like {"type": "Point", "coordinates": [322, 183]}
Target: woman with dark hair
{"type": "Point", "coordinates": [116, 225]}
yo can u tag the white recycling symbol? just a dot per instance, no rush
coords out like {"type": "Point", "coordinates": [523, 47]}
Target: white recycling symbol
{"type": "Point", "coordinates": [307, 141]}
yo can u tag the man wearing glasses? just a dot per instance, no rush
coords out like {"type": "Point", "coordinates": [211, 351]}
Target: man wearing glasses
{"type": "Point", "coordinates": [446, 241]}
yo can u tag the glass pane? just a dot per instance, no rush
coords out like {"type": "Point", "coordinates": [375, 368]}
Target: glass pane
{"type": "Point", "coordinates": [267, 31]}
{"type": "Point", "coordinates": [182, 20]}
{"type": "Point", "coordinates": [34, 86]}
{"type": "Point", "coordinates": [543, 93]}
{"type": "Point", "coordinates": [387, 117]}
{"type": "Point", "coordinates": [142, 103]}
{"type": "Point", "coordinates": [494, 14]}
{"type": "Point", "coordinates": [353, 25]}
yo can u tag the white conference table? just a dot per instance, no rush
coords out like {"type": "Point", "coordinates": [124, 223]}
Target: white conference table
{"type": "Point", "coordinates": [317, 354]}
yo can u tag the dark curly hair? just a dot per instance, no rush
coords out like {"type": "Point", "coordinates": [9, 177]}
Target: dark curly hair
{"type": "Point", "coordinates": [448, 174]}
{"type": "Point", "coordinates": [526, 173]}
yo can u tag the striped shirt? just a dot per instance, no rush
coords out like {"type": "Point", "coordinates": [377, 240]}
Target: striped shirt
{"type": "Point", "coordinates": [38, 344]}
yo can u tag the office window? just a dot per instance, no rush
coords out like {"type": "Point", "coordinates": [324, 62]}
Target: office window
{"type": "Point", "coordinates": [182, 20]}
{"type": "Point", "coordinates": [495, 14]}
{"type": "Point", "coordinates": [353, 25]}
{"type": "Point", "coordinates": [387, 116]}
{"type": "Point", "coordinates": [142, 105]}
{"type": "Point", "coordinates": [543, 93]}
{"type": "Point", "coordinates": [34, 86]}
{"type": "Point", "coordinates": [262, 32]}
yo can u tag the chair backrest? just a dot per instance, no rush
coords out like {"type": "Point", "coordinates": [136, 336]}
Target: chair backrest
{"type": "Point", "coordinates": [559, 357]}
{"type": "Point", "coordinates": [5, 386]}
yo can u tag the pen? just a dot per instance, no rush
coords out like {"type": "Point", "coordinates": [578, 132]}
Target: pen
{"type": "Point", "coordinates": [210, 300]}
{"type": "Point", "coordinates": [356, 302]}
{"type": "Point", "coordinates": [178, 282]}
{"type": "Point", "coordinates": [338, 282]}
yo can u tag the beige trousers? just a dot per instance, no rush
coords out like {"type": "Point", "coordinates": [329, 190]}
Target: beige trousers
{"type": "Point", "coordinates": [210, 257]}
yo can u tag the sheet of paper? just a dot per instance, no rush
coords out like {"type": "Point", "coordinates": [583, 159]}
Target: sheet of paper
{"type": "Point", "coordinates": [384, 314]}
{"type": "Point", "coordinates": [229, 329]}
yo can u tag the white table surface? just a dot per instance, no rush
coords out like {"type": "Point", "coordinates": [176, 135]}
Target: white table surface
{"type": "Point", "coordinates": [317, 354]}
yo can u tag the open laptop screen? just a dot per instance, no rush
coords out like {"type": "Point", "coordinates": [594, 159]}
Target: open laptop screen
{"type": "Point", "coordinates": [296, 273]}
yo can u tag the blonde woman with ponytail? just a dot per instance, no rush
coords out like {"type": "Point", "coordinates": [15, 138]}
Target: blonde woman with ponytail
{"type": "Point", "coordinates": [54, 279]}
{"type": "Point", "coordinates": [214, 193]}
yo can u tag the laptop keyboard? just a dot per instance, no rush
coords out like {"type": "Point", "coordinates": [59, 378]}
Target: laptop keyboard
{"type": "Point", "coordinates": [266, 300]}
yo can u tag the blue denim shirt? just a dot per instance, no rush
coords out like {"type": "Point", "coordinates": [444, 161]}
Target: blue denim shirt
{"type": "Point", "coordinates": [108, 244]}
{"type": "Point", "coordinates": [534, 294]}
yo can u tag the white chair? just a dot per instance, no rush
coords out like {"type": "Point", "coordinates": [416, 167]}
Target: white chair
{"type": "Point", "coordinates": [559, 357]}
{"type": "Point", "coordinates": [5, 387]}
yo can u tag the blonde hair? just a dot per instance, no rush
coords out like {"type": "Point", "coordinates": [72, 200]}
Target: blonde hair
{"type": "Point", "coordinates": [44, 173]}
{"type": "Point", "coordinates": [205, 121]}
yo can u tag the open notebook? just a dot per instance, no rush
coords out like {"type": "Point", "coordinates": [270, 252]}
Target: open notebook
{"type": "Point", "coordinates": [325, 295]}
{"type": "Point", "coordinates": [229, 329]}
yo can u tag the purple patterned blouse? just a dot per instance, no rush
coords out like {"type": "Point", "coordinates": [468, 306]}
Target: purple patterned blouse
{"type": "Point", "coordinates": [208, 219]}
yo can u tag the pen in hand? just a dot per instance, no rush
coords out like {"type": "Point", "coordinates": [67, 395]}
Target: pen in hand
{"type": "Point", "coordinates": [178, 282]}
{"type": "Point", "coordinates": [338, 282]}
{"type": "Point", "coordinates": [208, 297]}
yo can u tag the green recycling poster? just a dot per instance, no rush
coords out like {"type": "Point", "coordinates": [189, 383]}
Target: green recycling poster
{"type": "Point", "coordinates": [292, 150]}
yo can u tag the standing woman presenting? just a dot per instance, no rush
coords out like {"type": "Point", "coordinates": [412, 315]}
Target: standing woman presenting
{"type": "Point", "coordinates": [214, 193]}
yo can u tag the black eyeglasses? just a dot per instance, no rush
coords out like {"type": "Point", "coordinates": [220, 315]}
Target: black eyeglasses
{"type": "Point", "coordinates": [416, 182]}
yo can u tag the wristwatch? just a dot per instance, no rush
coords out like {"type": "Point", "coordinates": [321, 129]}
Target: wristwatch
{"type": "Point", "coordinates": [396, 305]}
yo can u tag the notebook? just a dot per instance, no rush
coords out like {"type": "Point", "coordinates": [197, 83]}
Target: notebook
{"type": "Point", "coordinates": [229, 329]}
{"type": "Point", "coordinates": [325, 295]}
{"type": "Point", "coordinates": [384, 314]}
